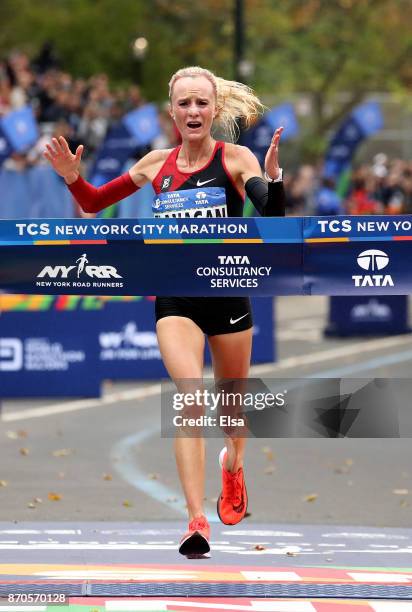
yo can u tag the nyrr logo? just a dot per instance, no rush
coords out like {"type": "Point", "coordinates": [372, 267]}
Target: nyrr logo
{"type": "Point", "coordinates": [373, 261]}
{"type": "Point", "coordinates": [81, 267]}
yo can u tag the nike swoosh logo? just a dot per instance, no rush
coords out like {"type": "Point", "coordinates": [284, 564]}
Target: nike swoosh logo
{"type": "Point", "coordinates": [200, 183]}
{"type": "Point", "coordinates": [233, 321]}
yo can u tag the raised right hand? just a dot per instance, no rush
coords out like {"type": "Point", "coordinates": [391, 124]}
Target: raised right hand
{"type": "Point", "coordinates": [62, 159]}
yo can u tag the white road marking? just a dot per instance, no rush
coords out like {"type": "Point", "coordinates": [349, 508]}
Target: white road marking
{"type": "Point", "coordinates": [272, 576]}
{"type": "Point", "coordinates": [390, 606]}
{"type": "Point", "coordinates": [255, 606]}
{"type": "Point", "coordinates": [155, 389]}
{"type": "Point", "coordinates": [380, 578]}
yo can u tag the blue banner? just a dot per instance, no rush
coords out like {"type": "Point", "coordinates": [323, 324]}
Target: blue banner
{"type": "Point", "coordinates": [289, 256]}
{"type": "Point", "coordinates": [357, 255]}
{"type": "Point", "coordinates": [5, 148]}
{"type": "Point", "coordinates": [43, 354]}
{"type": "Point", "coordinates": [359, 316]}
{"type": "Point", "coordinates": [127, 342]}
{"type": "Point", "coordinates": [365, 120]}
{"type": "Point", "coordinates": [143, 124]}
{"type": "Point", "coordinates": [259, 137]}
{"type": "Point", "coordinates": [20, 128]}
{"type": "Point", "coordinates": [117, 148]}
{"type": "Point", "coordinates": [283, 115]}
{"type": "Point", "coordinates": [66, 346]}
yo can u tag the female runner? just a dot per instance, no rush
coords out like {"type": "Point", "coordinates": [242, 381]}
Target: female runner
{"type": "Point", "coordinates": [197, 100]}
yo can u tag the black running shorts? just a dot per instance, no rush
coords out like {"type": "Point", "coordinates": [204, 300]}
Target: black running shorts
{"type": "Point", "coordinates": [214, 315]}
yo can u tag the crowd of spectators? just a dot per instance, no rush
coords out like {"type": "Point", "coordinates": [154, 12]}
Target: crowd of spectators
{"type": "Point", "coordinates": [83, 109]}
{"type": "Point", "coordinates": [80, 109]}
{"type": "Point", "coordinates": [383, 187]}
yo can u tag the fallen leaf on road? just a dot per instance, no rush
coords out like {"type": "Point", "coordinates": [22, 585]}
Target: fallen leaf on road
{"type": "Point", "coordinates": [266, 450]}
{"type": "Point", "coordinates": [154, 476]}
{"type": "Point", "coordinates": [291, 553]}
{"type": "Point", "coordinates": [24, 451]}
{"type": "Point", "coordinates": [269, 470]}
{"type": "Point", "coordinates": [310, 498]}
{"type": "Point", "coordinates": [341, 470]}
{"type": "Point", "coordinates": [54, 496]}
{"type": "Point", "coordinates": [3, 483]}
{"type": "Point", "coordinates": [127, 504]}
{"type": "Point", "coordinates": [15, 435]}
{"type": "Point", "coordinates": [259, 547]}
{"type": "Point", "coordinates": [62, 452]}
{"type": "Point", "coordinates": [107, 477]}
{"type": "Point", "coordinates": [31, 505]}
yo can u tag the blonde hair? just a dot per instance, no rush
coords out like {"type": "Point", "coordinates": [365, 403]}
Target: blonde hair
{"type": "Point", "coordinates": [233, 100]}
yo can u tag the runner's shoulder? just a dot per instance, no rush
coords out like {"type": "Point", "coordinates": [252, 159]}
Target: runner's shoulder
{"type": "Point", "coordinates": [148, 166]}
{"type": "Point", "coordinates": [234, 151]}
{"type": "Point", "coordinates": [156, 156]}
{"type": "Point", "coordinates": [238, 155]}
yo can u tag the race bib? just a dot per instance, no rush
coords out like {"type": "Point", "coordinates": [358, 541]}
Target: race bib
{"type": "Point", "coordinates": [208, 202]}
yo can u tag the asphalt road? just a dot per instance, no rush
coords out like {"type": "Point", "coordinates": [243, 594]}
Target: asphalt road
{"type": "Point", "coordinates": [104, 460]}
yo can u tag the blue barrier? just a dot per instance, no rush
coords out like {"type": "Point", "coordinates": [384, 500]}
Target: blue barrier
{"type": "Point", "coordinates": [256, 257]}
{"type": "Point", "coordinates": [357, 316]}
{"type": "Point", "coordinates": [42, 354]}
{"type": "Point", "coordinates": [62, 353]}
{"type": "Point", "coordinates": [36, 192]}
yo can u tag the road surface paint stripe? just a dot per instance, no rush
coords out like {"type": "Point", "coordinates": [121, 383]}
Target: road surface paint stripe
{"type": "Point", "coordinates": [381, 578]}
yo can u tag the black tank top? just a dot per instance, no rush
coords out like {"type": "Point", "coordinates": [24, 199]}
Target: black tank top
{"type": "Point", "coordinates": [205, 184]}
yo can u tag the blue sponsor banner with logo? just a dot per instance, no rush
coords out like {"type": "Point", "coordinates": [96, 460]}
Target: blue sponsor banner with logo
{"type": "Point", "coordinates": [47, 354]}
{"type": "Point", "coordinates": [152, 257]}
{"type": "Point", "coordinates": [357, 255]}
{"type": "Point", "coordinates": [128, 347]}
{"type": "Point", "coordinates": [68, 353]}
{"type": "Point", "coordinates": [127, 342]}
{"type": "Point", "coordinates": [356, 316]}
{"type": "Point", "coordinates": [256, 257]}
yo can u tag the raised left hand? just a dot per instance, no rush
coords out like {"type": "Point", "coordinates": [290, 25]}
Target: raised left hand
{"type": "Point", "coordinates": [272, 156]}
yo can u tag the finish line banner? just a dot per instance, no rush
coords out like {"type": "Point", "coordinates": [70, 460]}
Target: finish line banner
{"type": "Point", "coordinates": [343, 255]}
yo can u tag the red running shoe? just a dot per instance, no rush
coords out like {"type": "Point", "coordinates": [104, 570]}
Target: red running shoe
{"type": "Point", "coordinates": [232, 502]}
{"type": "Point", "coordinates": [196, 540]}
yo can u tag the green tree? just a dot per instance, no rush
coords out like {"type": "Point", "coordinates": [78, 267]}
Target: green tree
{"type": "Point", "coordinates": [336, 51]}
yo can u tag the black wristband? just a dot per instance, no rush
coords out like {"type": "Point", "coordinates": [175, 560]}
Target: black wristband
{"type": "Point", "coordinates": [268, 198]}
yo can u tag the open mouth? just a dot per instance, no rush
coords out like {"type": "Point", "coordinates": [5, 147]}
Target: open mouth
{"type": "Point", "coordinates": [194, 124]}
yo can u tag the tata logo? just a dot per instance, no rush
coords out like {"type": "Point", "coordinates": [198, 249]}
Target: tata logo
{"type": "Point", "coordinates": [81, 268]}
{"type": "Point", "coordinates": [201, 195]}
{"type": "Point", "coordinates": [373, 260]}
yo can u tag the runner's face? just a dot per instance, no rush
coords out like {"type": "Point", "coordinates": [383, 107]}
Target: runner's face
{"type": "Point", "coordinates": [193, 107]}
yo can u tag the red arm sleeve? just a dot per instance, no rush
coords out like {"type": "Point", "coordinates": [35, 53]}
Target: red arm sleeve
{"type": "Point", "coordinates": [93, 199]}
